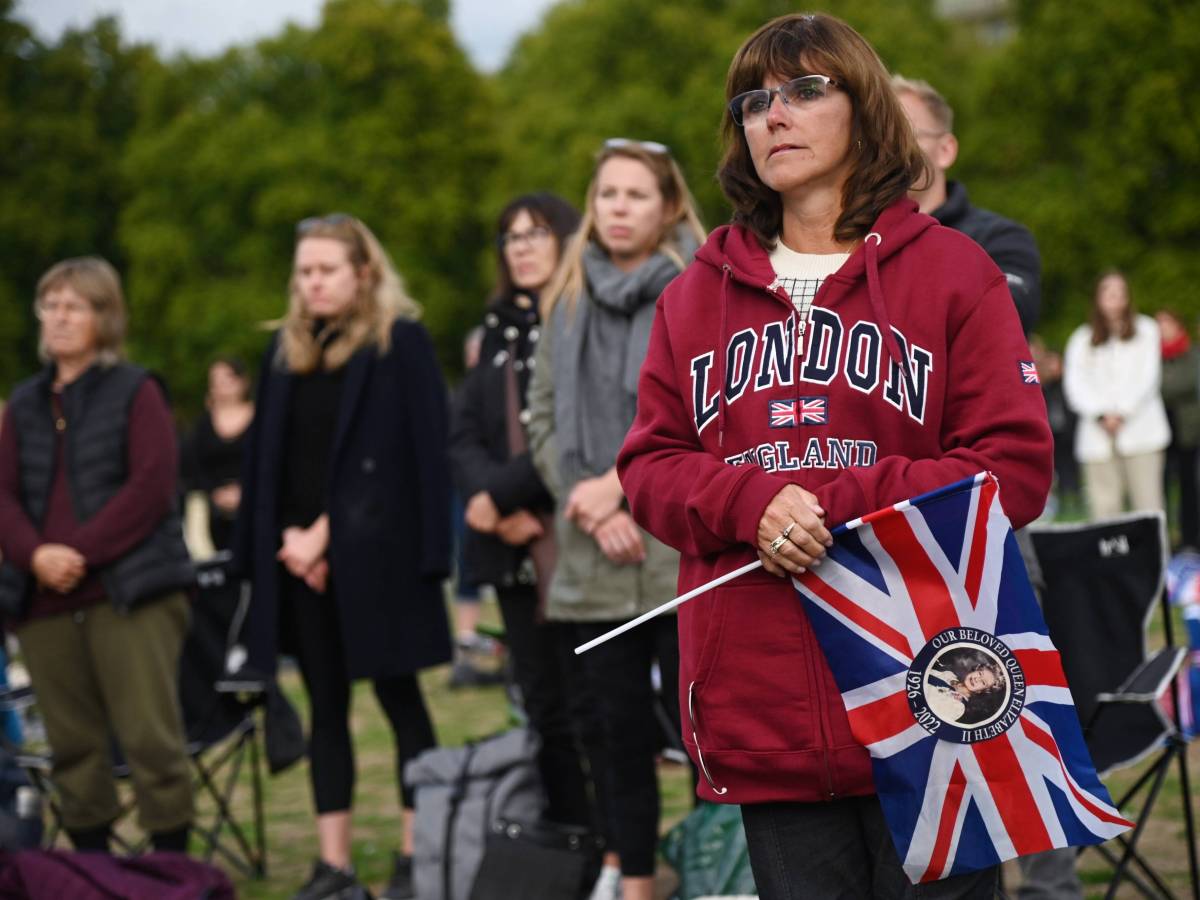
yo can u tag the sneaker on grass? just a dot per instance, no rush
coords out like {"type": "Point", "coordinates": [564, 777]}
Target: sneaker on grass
{"type": "Point", "coordinates": [331, 883]}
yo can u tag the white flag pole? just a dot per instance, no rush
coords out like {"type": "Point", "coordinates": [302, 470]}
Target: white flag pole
{"type": "Point", "coordinates": [668, 606]}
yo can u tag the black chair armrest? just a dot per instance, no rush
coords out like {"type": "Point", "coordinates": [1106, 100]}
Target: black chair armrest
{"type": "Point", "coordinates": [1148, 681]}
{"type": "Point", "coordinates": [215, 571]}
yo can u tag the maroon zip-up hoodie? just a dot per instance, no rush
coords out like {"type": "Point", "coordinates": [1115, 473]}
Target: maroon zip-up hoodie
{"type": "Point", "coordinates": [823, 404]}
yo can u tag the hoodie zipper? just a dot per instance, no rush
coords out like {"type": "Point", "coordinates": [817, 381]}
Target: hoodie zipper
{"type": "Point", "coordinates": [823, 727]}
{"type": "Point", "coordinates": [811, 648]}
{"type": "Point", "coordinates": [822, 717]}
{"type": "Point", "coordinates": [775, 289]}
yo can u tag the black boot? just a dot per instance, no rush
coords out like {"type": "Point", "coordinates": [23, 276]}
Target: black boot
{"type": "Point", "coordinates": [91, 840]}
{"type": "Point", "coordinates": [400, 887]}
{"type": "Point", "coordinates": [175, 841]}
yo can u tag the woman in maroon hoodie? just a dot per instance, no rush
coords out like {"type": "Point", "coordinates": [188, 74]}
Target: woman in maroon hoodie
{"type": "Point", "coordinates": [773, 404]}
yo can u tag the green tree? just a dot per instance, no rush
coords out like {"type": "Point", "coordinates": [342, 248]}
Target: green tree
{"type": "Point", "coordinates": [375, 112]}
{"type": "Point", "coordinates": [1087, 126]}
{"type": "Point", "coordinates": [65, 113]}
{"type": "Point", "coordinates": [602, 68]}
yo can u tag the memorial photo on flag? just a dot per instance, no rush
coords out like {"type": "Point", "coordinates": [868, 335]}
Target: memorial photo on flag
{"type": "Point", "coordinates": [930, 625]}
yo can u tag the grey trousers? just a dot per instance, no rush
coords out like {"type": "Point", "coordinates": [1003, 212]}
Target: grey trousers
{"type": "Point", "coordinates": [1050, 876]}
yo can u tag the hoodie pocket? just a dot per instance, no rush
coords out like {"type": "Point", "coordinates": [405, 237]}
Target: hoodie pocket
{"type": "Point", "coordinates": [753, 677]}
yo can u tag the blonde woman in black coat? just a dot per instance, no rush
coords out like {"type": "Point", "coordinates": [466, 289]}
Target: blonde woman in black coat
{"type": "Point", "coordinates": [344, 524]}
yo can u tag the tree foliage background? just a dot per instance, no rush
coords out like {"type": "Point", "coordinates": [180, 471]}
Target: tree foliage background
{"type": "Point", "coordinates": [190, 174]}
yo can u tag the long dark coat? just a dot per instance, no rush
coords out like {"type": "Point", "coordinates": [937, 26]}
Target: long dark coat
{"type": "Point", "coordinates": [389, 509]}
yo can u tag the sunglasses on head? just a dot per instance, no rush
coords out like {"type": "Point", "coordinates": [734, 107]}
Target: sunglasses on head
{"type": "Point", "coordinates": [619, 143]}
{"type": "Point", "coordinates": [306, 225]}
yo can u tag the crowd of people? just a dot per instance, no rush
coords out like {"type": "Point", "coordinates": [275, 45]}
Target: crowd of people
{"type": "Point", "coordinates": [651, 406]}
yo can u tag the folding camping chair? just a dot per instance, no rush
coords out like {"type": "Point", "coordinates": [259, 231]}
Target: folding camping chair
{"type": "Point", "coordinates": [222, 727]}
{"type": "Point", "coordinates": [222, 720]}
{"type": "Point", "coordinates": [1102, 583]}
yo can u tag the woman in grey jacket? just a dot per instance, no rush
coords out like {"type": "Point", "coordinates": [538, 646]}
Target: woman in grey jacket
{"type": "Point", "coordinates": [639, 230]}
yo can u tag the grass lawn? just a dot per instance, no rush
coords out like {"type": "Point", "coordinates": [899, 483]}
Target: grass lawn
{"type": "Point", "coordinates": [459, 715]}
{"type": "Point", "coordinates": [472, 712]}
{"type": "Point", "coordinates": [468, 713]}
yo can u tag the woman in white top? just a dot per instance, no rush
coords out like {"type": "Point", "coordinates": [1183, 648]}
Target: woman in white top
{"type": "Point", "coordinates": [1112, 371]}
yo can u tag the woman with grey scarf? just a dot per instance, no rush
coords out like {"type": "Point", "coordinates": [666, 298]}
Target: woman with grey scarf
{"type": "Point", "coordinates": [639, 230]}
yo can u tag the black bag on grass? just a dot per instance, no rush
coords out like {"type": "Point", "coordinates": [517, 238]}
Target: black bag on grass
{"type": "Point", "coordinates": [538, 859]}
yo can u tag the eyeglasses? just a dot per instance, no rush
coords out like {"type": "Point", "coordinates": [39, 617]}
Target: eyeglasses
{"type": "Point", "coordinates": [923, 135]}
{"type": "Point", "coordinates": [304, 226]}
{"type": "Point", "coordinates": [752, 107]}
{"type": "Point", "coordinates": [538, 234]}
{"type": "Point", "coordinates": [619, 143]}
{"type": "Point", "coordinates": [44, 309]}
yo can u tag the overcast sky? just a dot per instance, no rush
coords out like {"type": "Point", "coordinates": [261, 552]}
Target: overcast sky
{"type": "Point", "coordinates": [486, 28]}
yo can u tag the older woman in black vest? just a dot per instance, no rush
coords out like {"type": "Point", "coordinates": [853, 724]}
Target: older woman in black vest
{"type": "Point", "coordinates": [95, 563]}
{"type": "Point", "coordinates": [344, 525]}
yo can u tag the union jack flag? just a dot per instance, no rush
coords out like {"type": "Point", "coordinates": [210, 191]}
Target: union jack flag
{"type": "Point", "coordinates": [782, 413]}
{"type": "Point", "coordinates": [950, 681]}
{"type": "Point", "coordinates": [1187, 680]}
{"type": "Point", "coordinates": [813, 410]}
{"type": "Point", "coordinates": [803, 411]}
{"type": "Point", "coordinates": [1029, 373]}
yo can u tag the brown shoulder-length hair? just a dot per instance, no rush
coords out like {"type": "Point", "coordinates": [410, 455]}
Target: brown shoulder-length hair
{"type": "Point", "coordinates": [886, 159]}
{"type": "Point", "coordinates": [1100, 329]}
{"type": "Point", "coordinates": [546, 209]}
{"type": "Point", "coordinates": [380, 301]}
{"type": "Point", "coordinates": [94, 279]}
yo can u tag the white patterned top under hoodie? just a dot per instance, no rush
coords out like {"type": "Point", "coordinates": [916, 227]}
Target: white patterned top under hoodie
{"type": "Point", "coordinates": [801, 275]}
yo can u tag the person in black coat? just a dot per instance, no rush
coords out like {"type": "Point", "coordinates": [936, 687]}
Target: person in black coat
{"type": "Point", "coordinates": [212, 450]}
{"type": "Point", "coordinates": [1010, 244]}
{"type": "Point", "coordinates": [509, 511]}
{"type": "Point", "coordinates": [344, 523]}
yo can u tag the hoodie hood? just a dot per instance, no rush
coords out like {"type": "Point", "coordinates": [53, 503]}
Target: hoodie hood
{"type": "Point", "coordinates": [737, 247]}
{"type": "Point", "coordinates": [737, 254]}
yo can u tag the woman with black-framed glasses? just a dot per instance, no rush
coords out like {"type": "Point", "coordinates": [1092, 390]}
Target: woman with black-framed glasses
{"type": "Point", "coordinates": [830, 353]}
{"type": "Point", "coordinates": [509, 512]}
{"type": "Point", "coordinates": [639, 230]}
{"type": "Point", "coordinates": [344, 523]}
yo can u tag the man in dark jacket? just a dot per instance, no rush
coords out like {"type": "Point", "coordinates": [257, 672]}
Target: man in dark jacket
{"type": "Point", "coordinates": [1008, 243]}
{"type": "Point", "coordinates": [1013, 249]}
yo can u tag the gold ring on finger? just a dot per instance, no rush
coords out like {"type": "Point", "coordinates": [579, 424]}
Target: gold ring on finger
{"type": "Point", "coordinates": [778, 543]}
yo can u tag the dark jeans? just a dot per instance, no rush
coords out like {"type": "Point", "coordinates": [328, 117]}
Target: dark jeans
{"type": "Point", "coordinates": [631, 735]}
{"type": "Point", "coordinates": [839, 849]}
{"type": "Point", "coordinates": [555, 701]}
{"type": "Point", "coordinates": [316, 635]}
{"type": "Point", "coordinates": [1181, 465]}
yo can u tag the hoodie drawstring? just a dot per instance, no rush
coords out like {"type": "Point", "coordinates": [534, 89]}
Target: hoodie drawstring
{"type": "Point", "coordinates": [722, 352]}
{"type": "Point", "coordinates": [875, 292]}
